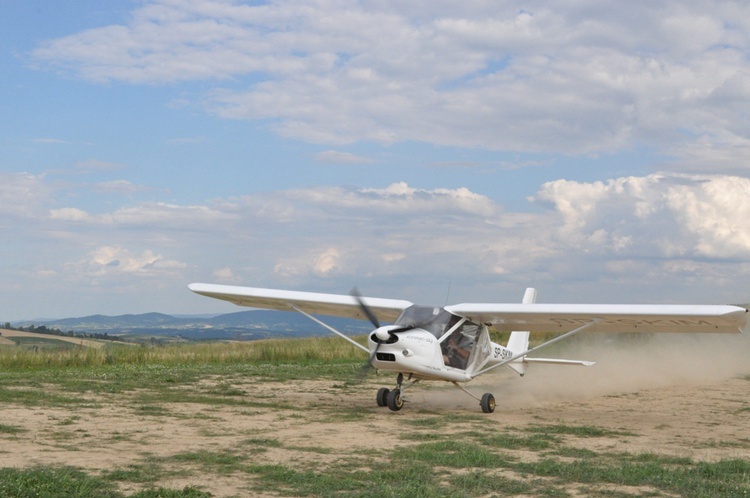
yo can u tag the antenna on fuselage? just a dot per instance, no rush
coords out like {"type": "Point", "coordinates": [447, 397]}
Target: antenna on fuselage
{"type": "Point", "coordinates": [448, 294]}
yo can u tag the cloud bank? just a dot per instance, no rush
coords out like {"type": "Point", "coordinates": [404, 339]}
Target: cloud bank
{"type": "Point", "coordinates": [584, 78]}
{"type": "Point", "coordinates": [633, 236]}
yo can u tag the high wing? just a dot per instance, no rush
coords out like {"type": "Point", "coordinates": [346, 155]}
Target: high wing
{"type": "Point", "coordinates": [530, 317]}
{"type": "Point", "coordinates": [606, 317]}
{"type": "Point", "coordinates": [343, 305]}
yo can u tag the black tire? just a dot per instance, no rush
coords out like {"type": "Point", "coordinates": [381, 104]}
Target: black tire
{"type": "Point", "coordinates": [395, 401]}
{"type": "Point", "coordinates": [382, 396]}
{"type": "Point", "coordinates": [487, 403]}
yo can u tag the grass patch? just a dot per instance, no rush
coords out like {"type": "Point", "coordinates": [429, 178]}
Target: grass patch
{"type": "Point", "coordinates": [167, 395]}
{"type": "Point", "coordinates": [151, 410]}
{"type": "Point", "coordinates": [724, 478]}
{"type": "Point", "coordinates": [69, 420]}
{"type": "Point", "coordinates": [480, 483]}
{"type": "Point", "coordinates": [186, 492]}
{"type": "Point", "coordinates": [452, 454]}
{"type": "Point", "coordinates": [37, 397]}
{"type": "Point", "coordinates": [535, 442]}
{"type": "Point", "coordinates": [141, 473]}
{"type": "Point", "coordinates": [11, 429]}
{"type": "Point", "coordinates": [255, 443]}
{"type": "Point", "coordinates": [225, 389]}
{"type": "Point", "coordinates": [223, 462]}
{"type": "Point", "coordinates": [54, 481]}
{"type": "Point", "coordinates": [568, 452]}
{"type": "Point", "coordinates": [577, 430]}
{"type": "Point", "coordinates": [49, 482]}
{"type": "Point", "coordinates": [431, 420]}
{"type": "Point", "coordinates": [414, 480]}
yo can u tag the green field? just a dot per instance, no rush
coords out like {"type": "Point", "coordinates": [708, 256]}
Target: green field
{"type": "Point", "coordinates": [35, 343]}
{"type": "Point", "coordinates": [417, 458]}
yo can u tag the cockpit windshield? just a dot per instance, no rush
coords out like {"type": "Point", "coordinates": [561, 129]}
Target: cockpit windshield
{"type": "Point", "coordinates": [434, 320]}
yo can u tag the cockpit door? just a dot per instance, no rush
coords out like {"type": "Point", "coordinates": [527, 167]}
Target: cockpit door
{"type": "Point", "coordinates": [482, 351]}
{"type": "Point", "coordinates": [459, 345]}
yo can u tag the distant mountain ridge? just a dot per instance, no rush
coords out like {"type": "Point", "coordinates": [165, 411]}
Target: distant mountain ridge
{"type": "Point", "coordinates": [242, 325]}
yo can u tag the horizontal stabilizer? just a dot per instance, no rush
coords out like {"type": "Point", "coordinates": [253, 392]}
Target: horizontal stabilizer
{"type": "Point", "coordinates": [554, 361]}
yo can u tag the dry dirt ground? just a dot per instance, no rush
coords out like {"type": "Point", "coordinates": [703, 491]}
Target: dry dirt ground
{"type": "Point", "coordinates": [674, 403]}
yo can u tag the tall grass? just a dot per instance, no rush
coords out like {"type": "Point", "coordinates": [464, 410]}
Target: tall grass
{"type": "Point", "coordinates": [270, 350]}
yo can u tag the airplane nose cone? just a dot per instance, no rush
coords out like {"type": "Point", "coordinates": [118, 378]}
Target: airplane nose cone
{"type": "Point", "coordinates": [382, 334]}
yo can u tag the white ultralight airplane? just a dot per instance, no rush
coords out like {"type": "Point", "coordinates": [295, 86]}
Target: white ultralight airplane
{"type": "Point", "coordinates": [452, 343]}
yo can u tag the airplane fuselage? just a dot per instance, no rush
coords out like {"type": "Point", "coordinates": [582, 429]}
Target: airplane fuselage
{"type": "Point", "coordinates": [441, 346]}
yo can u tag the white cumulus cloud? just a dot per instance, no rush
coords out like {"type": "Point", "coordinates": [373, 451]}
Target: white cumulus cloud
{"type": "Point", "coordinates": [657, 215]}
{"type": "Point", "coordinates": [579, 78]}
{"type": "Point", "coordinates": [115, 260]}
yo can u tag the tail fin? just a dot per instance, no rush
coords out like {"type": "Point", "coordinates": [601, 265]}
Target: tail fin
{"type": "Point", "coordinates": [518, 341]}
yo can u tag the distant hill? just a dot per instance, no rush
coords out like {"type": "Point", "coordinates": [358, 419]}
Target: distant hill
{"type": "Point", "coordinates": [243, 325]}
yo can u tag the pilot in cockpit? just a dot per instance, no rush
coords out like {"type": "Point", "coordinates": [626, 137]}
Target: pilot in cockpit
{"type": "Point", "coordinates": [456, 350]}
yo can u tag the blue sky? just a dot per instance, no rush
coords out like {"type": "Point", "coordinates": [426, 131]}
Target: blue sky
{"type": "Point", "coordinates": [427, 151]}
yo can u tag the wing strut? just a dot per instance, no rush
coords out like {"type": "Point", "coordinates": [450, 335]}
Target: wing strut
{"type": "Point", "coordinates": [308, 315]}
{"type": "Point", "coordinates": [552, 341]}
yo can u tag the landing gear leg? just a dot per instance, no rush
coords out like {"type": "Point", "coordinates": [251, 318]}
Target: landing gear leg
{"type": "Point", "coordinates": [487, 401]}
{"type": "Point", "coordinates": [394, 400]}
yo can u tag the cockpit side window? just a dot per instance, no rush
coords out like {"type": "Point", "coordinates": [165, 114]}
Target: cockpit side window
{"type": "Point", "coordinates": [458, 347]}
{"type": "Point", "coordinates": [434, 320]}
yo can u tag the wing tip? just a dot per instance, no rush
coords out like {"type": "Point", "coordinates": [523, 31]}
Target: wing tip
{"type": "Point", "coordinates": [197, 287]}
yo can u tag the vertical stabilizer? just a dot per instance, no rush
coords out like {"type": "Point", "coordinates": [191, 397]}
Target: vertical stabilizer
{"type": "Point", "coordinates": [519, 340]}
{"type": "Point", "coordinates": [529, 297]}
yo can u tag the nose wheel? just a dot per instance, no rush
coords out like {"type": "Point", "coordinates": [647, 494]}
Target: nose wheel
{"type": "Point", "coordinates": [382, 396]}
{"type": "Point", "coordinates": [393, 398]}
{"type": "Point", "coordinates": [395, 401]}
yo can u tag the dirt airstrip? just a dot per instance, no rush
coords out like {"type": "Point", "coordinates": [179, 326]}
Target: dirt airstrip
{"type": "Point", "coordinates": [690, 401]}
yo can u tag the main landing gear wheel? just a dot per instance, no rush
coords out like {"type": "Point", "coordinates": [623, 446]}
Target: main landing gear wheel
{"type": "Point", "coordinates": [394, 400]}
{"type": "Point", "coordinates": [487, 403]}
{"type": "Point", "coordinates": [382, 396]}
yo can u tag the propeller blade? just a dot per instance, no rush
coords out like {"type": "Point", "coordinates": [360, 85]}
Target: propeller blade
{"type": "Point", "coordinates": [365, 309]}
{"type": "Point", "coordinates": [368, 366]}
{"type": "Point", "coordinates": [375, 323]}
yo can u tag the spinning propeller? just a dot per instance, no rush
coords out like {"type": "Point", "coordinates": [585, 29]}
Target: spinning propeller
{"type": "Point", "coordinates": [382, 334]}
